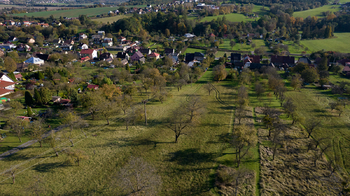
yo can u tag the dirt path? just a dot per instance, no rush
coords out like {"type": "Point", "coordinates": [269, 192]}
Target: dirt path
{"type": "Point", "coordinates": [27, 144]}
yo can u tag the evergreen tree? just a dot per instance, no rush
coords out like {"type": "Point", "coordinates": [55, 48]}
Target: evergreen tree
{"type": "Point", "coordinates": [29, 112]}
{"type": "Point", "coordinates": [40, 76]}
{"type": "Point", "coordinates": [37, 97]}
{"type": "Point", "coordinates": [45, 95]}
{"type": "Point", "coordinates": [28, 98]}
{"type": "Point", "coordinates": [127, 68]}
{"type": "Point", "coordinates": [74, 97]}
{"type": "Point", "coordinates": [323, 65]}
{"type": "Point", "coordinates": [328, 32]}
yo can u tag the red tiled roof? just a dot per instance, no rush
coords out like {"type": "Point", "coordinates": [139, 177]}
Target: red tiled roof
{"type": "Point", "coordinates": [92, 86]}
{"type": "Point", "coordinates": [153, 54]}
{"type": "Point", "coordinates": [4, 84]}
{"type": "Point", "coordinates": [4, 91]}
{"type": "Point", "coordinates": [346, 68]}
{"type": "Point", "coordinates": [18, 76]}
{"type": "Point", "coordinates": [86, 51]}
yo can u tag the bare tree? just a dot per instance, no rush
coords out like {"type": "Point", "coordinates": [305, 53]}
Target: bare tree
{"type": "Point", "coordinates": [311, 125]}
{"type": "Point", "coordinates": [137, 177]}
{"type": "Point", "coordinates": [75, 156]}
{"type": "Point", "coordinates": [107, 109]}
{"type": "Point", "coordinates": [289, 107]}
{"type": "Point", "coordinates": [12, 173]}
{"type": "Point", "coordinates": [195, 107]}
{"type": "Point", "coordinates": [37, 129]}
{"type": "Point", "coordinates": [243, 138]}
{"type": "Point", "coordinates": [276, 137]}
{"type": "Point", "coordinates": [52, 140]}
{"type": "Point", "coordinates": [240, 113]}
{"type": "Point", "coordinates": [133, 114]}
{"type": "Point", "coordinates": [125, 102]}
{"type": "Point", "coordinates": [208, 87]}
{"type": "Point", "coordinates": [259, 90]}
{"type": "Point", "coordinates": [70, 119]}
{"type": "Point", "coordinates": [17, 126]}
{"type": "Point", "coordinates": [178, 122]}
{"type": "Point", "coordinates": [145, 101]}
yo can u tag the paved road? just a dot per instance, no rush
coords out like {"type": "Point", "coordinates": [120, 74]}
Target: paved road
{"type": "Point", "coordinates": [27, 144]}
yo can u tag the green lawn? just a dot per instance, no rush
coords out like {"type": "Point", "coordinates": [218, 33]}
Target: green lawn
{"type": "Point", "coordinates": [243, 47]}
{"type": "Point", "coordinates": [317, 11]}
{"type": "Point", "coordinates": [340, 43]}
{"type": "Point", "coordinates": [73, 12]}
{"type": "Point", "coordinates": [192, 50]}
{"type": "Point", "coordinates": [111, 19]}
{"type": "Point", "coordinates": [233, 17]}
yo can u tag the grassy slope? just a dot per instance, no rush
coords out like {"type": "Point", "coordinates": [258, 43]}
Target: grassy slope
{"type": "Point", "coordinates": [111, 19]}
{"type": "Point", "coordinates": [185, 168]}
{"type": "Point", "coordinates": [192, 50]}
{"type": "Point", "coordinates": [340, 43]}
{"type": "Point", "coordinates": [317, 11]}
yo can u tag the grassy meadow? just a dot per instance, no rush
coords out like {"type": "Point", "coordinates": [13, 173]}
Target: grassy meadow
{"type": "Point", "coordinates": [110, 19]}
{"type": "Point", "coordinates": [339, 43]}
{"type": "Point", "coordinates": [317, 11]}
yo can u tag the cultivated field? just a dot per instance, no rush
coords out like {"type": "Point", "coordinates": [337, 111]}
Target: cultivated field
{"type": "Point", "coordinates": [317, 11]}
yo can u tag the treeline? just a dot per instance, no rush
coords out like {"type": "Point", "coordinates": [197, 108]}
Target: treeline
{"type": "Point", "coordinates": [279, 25]}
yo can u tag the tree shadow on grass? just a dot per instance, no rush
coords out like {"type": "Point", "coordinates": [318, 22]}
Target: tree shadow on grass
{"type": "Point", "coordinates": [48, 167]}
{"type": "Point", "coordinates": [190, 157]}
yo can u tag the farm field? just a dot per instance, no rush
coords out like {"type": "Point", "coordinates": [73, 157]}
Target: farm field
{"type": "Point", "coordinates": [36, 7]}
{"type": "Point", "coordinates": [110, 19]}
{"type": "Point", "coordinates": [72, 13]}
{"type": "Point", "coordinates": [242, 47]}
{"type": "Point", "coordinates": [317, 11]}
{"type": "Point", "coordinates": [340, 43]}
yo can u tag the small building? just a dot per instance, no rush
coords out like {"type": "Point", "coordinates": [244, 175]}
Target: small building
{"type": "Point", "coordinates": [107, 43]}
{"type": "Point", "coordinates": [69, 42]}
{"type": "Point", "coordinates": [7, 86]}
{"type": "Point", "coordinates": [169, 51]}
{"type": "Point", "coordinates": [83, 46]}
{"type": "Point", "coordinates": [305, 60]}
{"type": "Point", "coordinates": [145, 51]}
{"type": "Point", "coordinates": [122, 55]}
{"type": "Point", "coordinates": [18, 76]}
{"type": "Point", "coordinates": [66, 47]}
{"type": "Point", "coordinates": [82, 36]}
{"type": "Point", "coordinates": [154, 55]}
{"type": "Point", "coordinates": [235, 57]}
{"type": "Point", "coordinates": [92, 86]}
{"type": "Point", "coordinates": [44, 57]}
{"type": "Point", "coordinates": [56, 99]}
{"type": "Point", "coordinates": [30, 40]}
{"type": "Point", "coordinates": [36, 61]}
{"type": "Point", "coordinates": [91, 53]}
{"type": "Point", "coordinates": [136, 56]}
{"type": "Point", "coordinates": [24, 48]}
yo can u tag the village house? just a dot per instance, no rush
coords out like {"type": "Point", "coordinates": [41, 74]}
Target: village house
{"type": "Point", "coordinates": [7, 86]}
{"type": "Point", "coordinates": [107, 42]}
{"type": "Point", "coordinates": [153, 55]}
{"type": "Point", "coordinates": [69, 42]}
{"type": "Point", "coordinates": [66, 47]}
{"type": "Point", "coordinates": [33, 60]}
{"type": "Point", "coordinates": [30, 40]}
{"type": "Point", "coordinates": [82, 36]}
{"type": "Point", "coordinates": [92, 86]}
{"type": "Point", "coordinates": [83, 46]}
{"type": "Point", "coordinates": [122, 55]}
{"type": "Point", "coordinates": [91, 53]}
{"type": "Point", "coordinates": [23, 47]}
{"type": "Point", "coordinates": [145, 51]}
{"type": "Point", "coordinates": [44, 57]}
{"type": "Point", "coordinates": [136, 56]}
{"type": "Point", "coordinates": [7, 46]}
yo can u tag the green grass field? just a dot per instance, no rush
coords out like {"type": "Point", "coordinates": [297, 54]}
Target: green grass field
{"type": "Point", "coordinates": [243, 47]}
{"type": "Point", "coordinates": [340, 43]}
{"type": "Point", "coordinates": [192, 50]}
{"type": "Point", "coordinates": [110, 19]}
{"type": "Point", "coordinates": [317, 11]}
{"type": "Point", "coordinates": [233, 17]}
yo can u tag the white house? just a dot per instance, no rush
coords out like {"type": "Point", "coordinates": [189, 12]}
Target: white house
{"type": "Point", "coordinates": [83, 46]}
{"type": "Point", "coordinates": [189, 35]}
{"type": "Point", "coordinates": [66, 47]}
{"type": "Point", "coordinates": [33, 60]}
{"type": "Point", "coordinates": [7, 86]}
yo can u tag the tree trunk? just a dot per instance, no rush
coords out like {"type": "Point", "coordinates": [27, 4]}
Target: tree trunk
{"type": "Point", "coordinates": [71, 141]}
{"type": "Point", "coordinates": [144, 105]}
{"type": "Point", "coordinates": [176, 137]}
{"type": "Point", "coordinates": [20, 140]}
{"type": "Point", "coordinates": [41, 143]}
{"type": "Point", "coordinates": [56, 153]}
{"type": "Point", "coordinates": [107, 120]}
{"type": "Point", "coordinates": [127, 125]}
{"type": "Point", "coordinates": [13, 178]}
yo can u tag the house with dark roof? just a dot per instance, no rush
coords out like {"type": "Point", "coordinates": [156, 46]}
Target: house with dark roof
{"type": "Point", "coordinates": [145, 51]}
{"type": "Point", "coordinates": [23, 47]}
{"type": "Point", "coordinates": [282, 60]}
{"type": "Point", "coordinates": [251, 59]}
{"type": "Point", "coordinates": [66, 47]}
{"type": "Point", "coordinates": [136, 56]}
{"type": "Point", "coordinates": [236, 57]}
{"type": "Point", "coordinates": [346, 70]}
{"type": "Point", "coordinates": [198, 56]}
{"type": "Point", "coordinates": [189, 57]}
{"type": "Point", "coordinates": [304, 59]}
{"type": "Point", "coordinates": [153, 55]}
{"type": "Point", "coordinates": [169, 51]}
{"type": "Point", "coordinates": [44, 57]}
{"type": "Point", "coordinates": [123, 55]}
